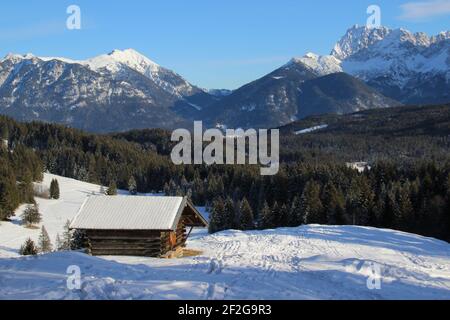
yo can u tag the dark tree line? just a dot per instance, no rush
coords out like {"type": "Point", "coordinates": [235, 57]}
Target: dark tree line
{"type": "Point", "coordinates": [19, 167]}
{"type": "Point", "coordinates": [313, 186]}
{"type": "Point", "coordinates": [414, 200]}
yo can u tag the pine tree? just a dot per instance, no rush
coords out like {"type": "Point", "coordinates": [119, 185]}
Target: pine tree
{"type": "Point", "coordinates": [246, 219]}
{"type": "Point", "coordinates": [132, 186]}
{"type": "Point", "coordinates": [333, 205]}
{"type": "Point", "coordinates": [66, 238]}
{"type": "Point", "coordinates": [45, 244]}
{"type": "Point", "coordinates": [366, 204]}
{"type": "Point", "coordinates": [9, 193]}
{"type": "Point", "coordinates": [283, 217]}
{"type": "Point", "coordinates": [270, 217]}
{"type": "Point", "coordinates": [216, 216]}
{"type": "Point", "coordinates": [296, 214]}
{"type": "Point", "coordinates": [264, 216]}
{"type": "Point", "coordinates": [28, 248]}
{"type": "Point", "coordinates": [312, 206]}
{"type": "Point", "coordinates": [59, 243]}
{"type": "Point", "coordinates": [78, 240]}
{"type": "Point", "coordinates": [54, 189]}
{"type": "Point", "coordinates": [229, 214]}
{"type": "Point", "coordinates": [405, 212]}
{"type": "Point", "coordinates": [31, 215]}
{"type": "Point", "coordinates": [112, 189]}
{"type": "Point", "coordinates": [390, 209]}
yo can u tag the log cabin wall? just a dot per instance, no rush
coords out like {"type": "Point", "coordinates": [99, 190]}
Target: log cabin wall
{"type": "Point", "coordinates": [181, 233]}
{"type": "Point", "coordinates": [128, 243]}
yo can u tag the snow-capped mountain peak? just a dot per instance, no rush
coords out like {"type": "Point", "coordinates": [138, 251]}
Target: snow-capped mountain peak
{"type": "Point", "coordinates": [129, 57]}
{"type": "Point", "coordinates": [321, 65]}
{"type": "Point", "coordinates": [358, 38]}
{"type": "Point", "coordinates": [18, 57]}
{"type": "Point", "coordinates": [122, 82]}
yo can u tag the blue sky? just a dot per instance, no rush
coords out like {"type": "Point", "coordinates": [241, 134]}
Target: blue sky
{"type": "Point", "coordinates": [212, 43]}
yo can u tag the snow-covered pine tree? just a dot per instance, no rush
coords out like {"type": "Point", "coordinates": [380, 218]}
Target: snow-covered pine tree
{"type": "Point", "coordinates": [44, 243]}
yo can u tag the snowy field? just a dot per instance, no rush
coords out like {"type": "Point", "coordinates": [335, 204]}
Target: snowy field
{"type": "Point", "coordinates": [309, 262]}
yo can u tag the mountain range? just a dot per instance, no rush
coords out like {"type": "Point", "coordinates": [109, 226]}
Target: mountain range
{"type": "Point", "coordinates": [367, 69]}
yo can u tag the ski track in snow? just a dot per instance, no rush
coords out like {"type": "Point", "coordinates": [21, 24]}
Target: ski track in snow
{"type": "Point", "coordinates": [309, 262]}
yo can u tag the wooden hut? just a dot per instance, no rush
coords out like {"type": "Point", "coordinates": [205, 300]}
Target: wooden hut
{"type": "Point", "coordinates": [136, 226]}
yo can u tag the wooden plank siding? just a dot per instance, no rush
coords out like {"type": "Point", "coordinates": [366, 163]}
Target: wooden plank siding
{"type": "Point", "coordinates": [136, 243]}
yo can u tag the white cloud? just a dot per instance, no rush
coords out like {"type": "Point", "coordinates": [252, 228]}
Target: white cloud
{"type": "Point", "coordinates": [424, 9]}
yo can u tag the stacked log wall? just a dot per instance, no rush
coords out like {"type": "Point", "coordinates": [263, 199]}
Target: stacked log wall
{"type": "Point", "coordinates": [127, 243]}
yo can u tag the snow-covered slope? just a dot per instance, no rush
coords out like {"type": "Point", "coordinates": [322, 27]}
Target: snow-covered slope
{"type": "Point", "coordinates": [309, 262]}
{"type": "Point", "coordinates": [55, 214]}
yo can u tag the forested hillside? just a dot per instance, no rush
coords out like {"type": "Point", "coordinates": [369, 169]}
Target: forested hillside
{"type": "Point", "coordinates": [19, 167]}
{"type": "Point", "coordinates": [407, 188]}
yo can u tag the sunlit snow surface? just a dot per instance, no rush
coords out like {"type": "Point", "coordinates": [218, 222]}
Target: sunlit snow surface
{"type": "Point", "coordinates": [309, 262]}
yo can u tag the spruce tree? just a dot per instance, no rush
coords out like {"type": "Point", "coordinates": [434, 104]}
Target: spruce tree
{"type": "Point", "coordinates": [28, 248]}
{"type": "Point", "coordinates": [112, 189]}
{"type": "Point", "coordinates": [132, 186]}
{"type": "Point", "coordinates": [366, 204]}
{"type": "Point", "coordinates": [31, 215]}
{"type": "Point", "coordinates": [270, 216]}
{"type": "Point", "coordinates": [296, 214]}
{"type": "Point", "coordinates": [78, 240]}
{"type": "Point", "coordinates": [229, 214]}
{"type": "Point", "coordinates": [246, 219]}
{"type": "Point", "coordinates": [54, 189]}
{"type": "Point", "coordinates": [66, 238]}
{"type": "Point", "coordinates": [216, 216]}
{"type": "Point", "coordinates": [45, 244]}
{"type": "Point", "coordinates": [405, 212]}
{"type": "Point", "coordinates": [283, 217]}
{"type": "Point", "coordinates": [312, 206]}
{"type": "Point", "coordinates": [333, 205]}
{"type": "Point", "coordinates": [59, 243]}
{"type": "Point", "coordinates": [264, 216]}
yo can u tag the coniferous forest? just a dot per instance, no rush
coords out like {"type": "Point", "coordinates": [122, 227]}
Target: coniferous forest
{"type": "Point", "coordinates": [407, 187]}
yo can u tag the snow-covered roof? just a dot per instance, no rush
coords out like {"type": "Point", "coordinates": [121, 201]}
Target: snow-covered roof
{"type": "Point", "coordinates": [129, 213]}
